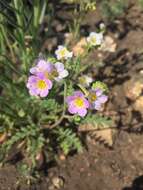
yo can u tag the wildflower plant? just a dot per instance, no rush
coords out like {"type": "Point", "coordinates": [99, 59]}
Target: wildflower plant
{"type": "Point", "coordinates": [54, 97]}
{"type": "Point", "coordinates": [43, 100]}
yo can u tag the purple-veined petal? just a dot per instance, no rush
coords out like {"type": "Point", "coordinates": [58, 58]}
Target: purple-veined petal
{"type": "Point", "coordinates": [82, 112]}
{"type": "Point", "coordinates": [78, 93]}
{"type": "Point", "coordinates": [59, 66]}
{"type": "Point", "coordinates": [72, 109]}
{"type": "Point", "coordinates": [86, 102]}
{"type": "Point", "coordinates": [69, 99]}
{"type": "Point", "coordinates": [97, 105]}
{"type": "Point", "coordinates": [33, 92]}
{"type": "Point", "coordinates": [41, 63]}
{"type": "Point", "coordinates": [102, 99]}
{"type": "Point", "coordinates": [99, 92]}
{"type": "Point", "coordinates": [33, 70]}
{"type": "Point", "coordinates": [49, 83]}
{"type": "Point", "coordinates": [44, 93]}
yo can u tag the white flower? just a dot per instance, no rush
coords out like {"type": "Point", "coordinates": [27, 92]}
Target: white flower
{"type": "Point", "coordinates": [95, 39]}
{"type": "Point", "coordinates": [102, 26]}
{"type": "Point", "coordinates": [62, 72]}
{"type": "Point", "coordinates": [63, 53]}
{"type": "Point", "coordinates": [85, 80]}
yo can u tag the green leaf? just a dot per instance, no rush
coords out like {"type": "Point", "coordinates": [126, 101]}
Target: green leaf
{"type": "Point", "coordinates": [68, 140]}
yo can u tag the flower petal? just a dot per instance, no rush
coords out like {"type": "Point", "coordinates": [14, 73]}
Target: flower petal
{"type": "Point", "coordinates": [59, 66]}
{"type": "Point", "coordinates": [69, 99]}
{"type": "Point", "coordinates": [86, 103]}
{"type": "Point", "coordinates": [82, 112]}
{"type": "Point", "coordinates": [98, 92]}
{"type": "Point", "coordinates": [33, 92]}
{"type": "Point", "coordinates": [44, 93]}
{"type": "Point", "coordinates": [72, 109]}
{"type": "Point", "coordinates": [97, 105]}
{"type": "Point", "coordinates": [102, 99]}
{"type": "Point", "coordinates": [49, 83]}
{"type": "Point", "coordinates": [33, 70]}
{"type": "Point", "coordinates": [64, 74]}
{"type": "Point", "coordinates": [78, 93]}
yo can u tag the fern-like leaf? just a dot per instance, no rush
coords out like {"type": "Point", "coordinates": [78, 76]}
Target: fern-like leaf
{"type": "Point", "coordinates": [68, 140]}
{"type": "Point", "coordinates": [96, 121]}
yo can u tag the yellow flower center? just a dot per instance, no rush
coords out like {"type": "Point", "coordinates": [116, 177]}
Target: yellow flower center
{"type": "Point", "coordinates": [93, 40]}
{"type": "Point", "coordinates": [92, 97]}
{"type": "Point", "coordinates": [63, 52]}
{"type": "Point", "coordinates": [54, 73]}
{"type": "Point", "coordinates": [51, 75]}
{"type": "Point", "coordinates": [41, 84]}
{"type": "Point", "coordinates": [82, 80]}
{"type": "Point", "coordinates": [79, 102]}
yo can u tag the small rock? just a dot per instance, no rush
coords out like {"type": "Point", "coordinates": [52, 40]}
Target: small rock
{"type": "Point", "coordinates": [68, 38]}
{"type": "Point", "coordinates": [58, 182]}
{"type": "Point", "coordinates": [82, 169]}
{"type": "Point", "coordinates": [58, 26]}
{"type": "Point", "coordinates": [49, 44]}
{"type": "Point", "coordinates": [51, 174]}
{"type": "Point", "coordinates": [51, 187]}
{"type": "Point", "coordinates": [89, 174]}
{"type": "Point", "coordinates": [138, 105]}
{"type": "Point", "coordinates": [62, 157]}
{"type": "Point", "coordinates": [40, 159]}
{"type": "Point", "coordinates": [133, 88]}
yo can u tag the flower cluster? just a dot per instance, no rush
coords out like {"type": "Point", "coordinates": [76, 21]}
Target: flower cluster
{"type": "Point", "coordinates": [93, 98]}
{"type": "Point", "coordinates": [44, 73]}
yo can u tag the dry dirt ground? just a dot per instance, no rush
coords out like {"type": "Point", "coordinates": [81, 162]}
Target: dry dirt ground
{"type": "Point", "coordinates": [119, 167]}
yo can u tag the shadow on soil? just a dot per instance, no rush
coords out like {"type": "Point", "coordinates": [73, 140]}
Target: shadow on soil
{"type": "Point", "coordinates": [136, 185]}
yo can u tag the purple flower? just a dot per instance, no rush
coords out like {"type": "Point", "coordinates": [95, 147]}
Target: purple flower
{"type": "Point", "coordinates": [42, 68]}
{"type": "Point", "coordinates": [96, 99]}
{"type": "Point", "coordinates": [39, 86]}
{"type": "Point", "coordinates": [62, 73]}
{"type": "Point", "coordinates": [50, 71]}
{"type": "Point", "coordinates": [77, 104]}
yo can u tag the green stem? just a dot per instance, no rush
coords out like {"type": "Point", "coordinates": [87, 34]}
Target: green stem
{"type": "Point", "coordinates": [42, 12]}
{"type": "Point", "coordinates": [64, 109]}
{"type": "Point", "coordinates": [8, 43]}
{"type": "Point", "coordinates": [19, 5]}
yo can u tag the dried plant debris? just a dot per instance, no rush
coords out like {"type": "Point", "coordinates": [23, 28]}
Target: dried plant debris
{"type": "Point", "coordinates": [109, 44]}
{"type": "Point", "coordinates": [79, 47]}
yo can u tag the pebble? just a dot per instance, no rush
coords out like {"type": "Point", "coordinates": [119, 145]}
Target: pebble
{"type": "Point", "coordinates": [58, 182]}
{"type": "Point", "coordinates": [51, 187]}
{"type": "Point", "coordinates": [62, 157]}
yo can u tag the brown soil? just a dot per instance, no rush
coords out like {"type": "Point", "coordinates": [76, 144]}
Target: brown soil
{"type": "Point", "coordinates": [98, 167]}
